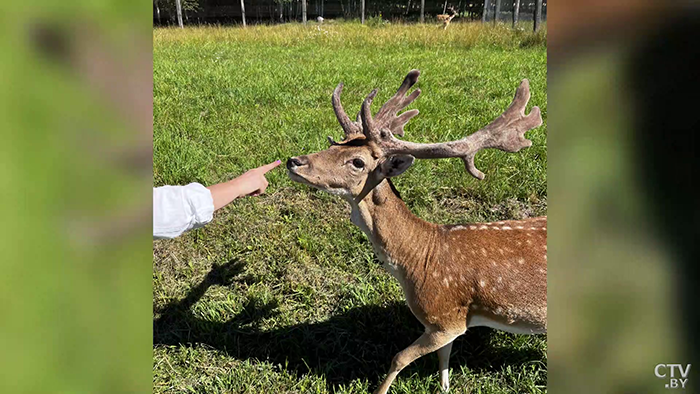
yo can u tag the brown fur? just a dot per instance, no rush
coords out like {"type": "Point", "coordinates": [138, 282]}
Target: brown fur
{"type": "Point", "coordinates": [451, 272]}
{"type": "Point", "coordinates": [453, 277]}
{"type": "Point", "coordinates": [445, 19]}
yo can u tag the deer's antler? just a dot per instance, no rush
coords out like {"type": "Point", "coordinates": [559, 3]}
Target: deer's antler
{"type": "Point", "coordinates": [351, 129]}
{"type": "Point", "coordinates": [507, 132]}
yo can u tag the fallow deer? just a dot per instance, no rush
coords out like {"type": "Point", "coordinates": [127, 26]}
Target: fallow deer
{"type": "Point", "coordinates": [447, 18]}
{"type": "Point", "coordinates": [453, 276]}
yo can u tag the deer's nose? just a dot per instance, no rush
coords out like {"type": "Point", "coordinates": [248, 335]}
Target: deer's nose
{"type": "Point", "coordinates": [294, 162]}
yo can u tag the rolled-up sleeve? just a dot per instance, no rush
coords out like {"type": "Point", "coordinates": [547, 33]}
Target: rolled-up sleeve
{"type": "Point", "coordinates": [177, 209]}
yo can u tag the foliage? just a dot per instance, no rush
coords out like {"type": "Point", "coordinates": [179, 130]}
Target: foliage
{"type": "Point", "coordinates": [171, 7]}
{"type": "Point", "coordinates": [376, 21]}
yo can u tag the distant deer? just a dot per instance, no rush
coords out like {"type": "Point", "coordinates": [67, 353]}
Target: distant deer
{"type": "Point", "coordinates": [453, 276]}
{"type": "Point", "coordinates": [447, 18]}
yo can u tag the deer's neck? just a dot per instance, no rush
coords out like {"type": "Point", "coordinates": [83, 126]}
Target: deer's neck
{"type": "Point", "coordinates": [398, 236]}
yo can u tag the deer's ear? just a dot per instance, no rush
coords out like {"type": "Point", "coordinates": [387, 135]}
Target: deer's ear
{"type": "Point", "coordinates": [395, 165]}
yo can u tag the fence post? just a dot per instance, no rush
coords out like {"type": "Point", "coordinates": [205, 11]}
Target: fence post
{"type": "Point", "coordinates": [422, 11]}
{"type": "Point", "coordinates": [516, 10]}
{"type": "Point", "coordinates": [242, 12]}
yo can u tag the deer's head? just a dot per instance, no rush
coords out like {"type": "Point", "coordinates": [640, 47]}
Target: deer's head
{"type": "Point", "coordinates": [370, 152]}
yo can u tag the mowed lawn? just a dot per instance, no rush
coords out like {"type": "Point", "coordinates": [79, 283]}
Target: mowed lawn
{"type": "Point", "coordinates": [281, 293]}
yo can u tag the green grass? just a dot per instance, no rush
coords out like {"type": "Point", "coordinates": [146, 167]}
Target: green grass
{"type": "Point", "coordinates": [282, 294]}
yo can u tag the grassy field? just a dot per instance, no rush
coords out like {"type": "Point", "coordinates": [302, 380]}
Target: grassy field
{"type": "Point", "coordinates": [282, 294]}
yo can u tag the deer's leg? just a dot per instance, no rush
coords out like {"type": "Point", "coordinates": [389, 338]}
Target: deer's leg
{"type": "Point", "coordinates": [444, 357]}
{"type": "Point", "coordinates": [427, 343]}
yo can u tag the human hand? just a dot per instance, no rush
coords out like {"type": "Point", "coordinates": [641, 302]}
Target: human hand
{"type": "Point", "coordinates": [253, 182]}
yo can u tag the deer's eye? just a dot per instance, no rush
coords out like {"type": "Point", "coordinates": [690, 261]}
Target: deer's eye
{"type": "Point", "coordinates": [358, 163]}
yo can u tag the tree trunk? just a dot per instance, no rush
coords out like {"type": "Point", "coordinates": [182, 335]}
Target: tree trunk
{"type": "Point", "coordinates": [362, 5]}
{"type": "Point", "coordinates": [281, 12]}
{"type": "Point", "coordinates": [538, 15]}
{"type": "Point", "coordinates": [322, 8]}
{"type": "Point", "coordinates": [179, 13]}
{"type": "Point", "coordinates": [158, 12]}
{"type": "Point", "coordinates": [497, 11]}
{"type": "Point", "coordinates": [422, 11]}
{"type": "Point", "coordinates": [242, 12]}
{"type": "Point", "coordinates": [516, 11]}
{"type": "Point", "coordinates": [444, 8]}
{"type": "Point", "coordinates": [303, 11]}
{"type": "Point", "coordinates": [485, 14]}
{"type": "Point", "coordinates": [408, 7]}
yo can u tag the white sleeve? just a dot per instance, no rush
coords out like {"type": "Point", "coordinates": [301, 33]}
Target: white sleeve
{"type": "Point", "coordinates": [177, 209]}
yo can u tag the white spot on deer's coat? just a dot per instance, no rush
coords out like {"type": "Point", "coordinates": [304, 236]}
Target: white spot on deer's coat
{"type": "Point", "coordinates": [447, 284]}
{"type": "Point", "coordinates": [521, 260]}
{"type": "Point", "coordinates": [483, 227]}
{"type": "Point", "coordinates": [493, 263]}
{"type": "Point", "coordinates": [482, 283]}
{"type": "Point", "coordinates": [472, 227]}
{"type": "Point", "coordinates": [500, 279]}
{"type": "Point", "coordinates": [520, 227]}
{"type": "Point", "coordinates": [483, 251]}
{"type": "Point", "coordinates": [506, 228]}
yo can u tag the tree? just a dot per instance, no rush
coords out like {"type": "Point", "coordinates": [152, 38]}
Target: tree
{"type": "Point", "coordinates": [303, 10]}
{"type": "Point", "coordinates": [484, 15]}
{"type": "Point", "coordinates": [178, 6]}
{"type": "Point", "coordinates": [538, 15]}
{"type": "Point", "coordinates": [242, 12]}
{"type": "Point", "coordinates": [516, 10]}
{"type": "Point", "coordinates": [497, 11]}
{"type": "Point", "coordinates": [422, 11]}
{"type": "Point", "coordinates": [362, 2]}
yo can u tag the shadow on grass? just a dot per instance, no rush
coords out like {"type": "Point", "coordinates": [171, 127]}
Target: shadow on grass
{"type": "Point", "coordinates": [355, 344]}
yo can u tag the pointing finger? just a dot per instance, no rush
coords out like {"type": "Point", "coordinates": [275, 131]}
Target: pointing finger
{"type": "Point", "coordinates": [268, 167]}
